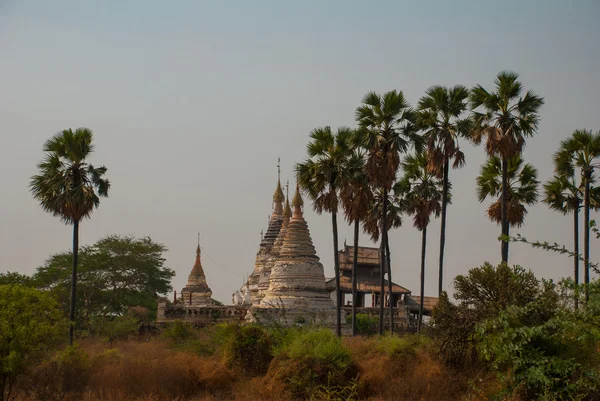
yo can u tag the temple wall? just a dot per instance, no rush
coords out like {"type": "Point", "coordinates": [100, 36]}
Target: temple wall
{"type": "Point", "coordinates": [200, 315]}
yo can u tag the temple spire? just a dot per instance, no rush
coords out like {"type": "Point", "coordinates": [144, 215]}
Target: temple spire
{"type": "Point", "coordinates": [278, 195]}
{"type": "Point", "coordinates": [297, 202]}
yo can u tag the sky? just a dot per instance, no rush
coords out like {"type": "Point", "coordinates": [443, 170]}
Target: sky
{"type": "Point", "coordinates": [192, 102]}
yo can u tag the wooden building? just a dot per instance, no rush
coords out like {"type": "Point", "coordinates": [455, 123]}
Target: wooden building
{"type": "Point", "coordinates": [368, 287]}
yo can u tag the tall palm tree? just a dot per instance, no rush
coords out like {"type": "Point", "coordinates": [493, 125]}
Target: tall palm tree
{"type": "Point", "coordinates": [563, 195]}
{"type": "Point", "coordinates": [387, 128]}
{"type": "Point", "coordinates": [356, 197]}
{"type": "Point", "coordinates": [505, 121]}
{"type": "Point", "coordinates": [372, 223]}
{"type": "Point", "coordinates": [521, 188]}
{"type": "Point", "coordinates": [581, 151]}
{"type": "Point", "coordinates": [322, 176]}
{"type": "Point", "coordinates": [70, 188]}
{"type": "Point", "coordinates": [441, 116]}
{"type": "Point", "coordinates": [423, 193]}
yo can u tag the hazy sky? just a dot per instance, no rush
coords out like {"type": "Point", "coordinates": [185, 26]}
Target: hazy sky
{"type": "Point", "coordinates": [192, 102]}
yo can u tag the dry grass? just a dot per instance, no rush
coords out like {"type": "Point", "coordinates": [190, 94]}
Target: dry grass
{"type": "Point", "coordinates": [156, 371]}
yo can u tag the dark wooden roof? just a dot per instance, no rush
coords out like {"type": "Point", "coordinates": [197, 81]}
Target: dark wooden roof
{"type": "Point", "coordinates": [367, 257]}
{"type": "Point", "coordinates": [364, 284]}
{"type": "Point", "coordinates": [428, 302]}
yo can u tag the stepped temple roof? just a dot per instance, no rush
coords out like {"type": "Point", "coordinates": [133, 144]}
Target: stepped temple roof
{"type": "Point", "coordinates": [196, 289]}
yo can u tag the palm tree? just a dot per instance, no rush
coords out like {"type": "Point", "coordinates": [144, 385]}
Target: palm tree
{"type": "Point", "coordinates": [504, 123]}
{"type": "Point", "coordinates": [441, 117]}
{"type": "Point", "coordinates": [563, 195]}
{"type": "Point", "coordinates": [386, 129]}
{"type": "Point", "coordinates": [356, 197]}
{"type": "Point", "coordinates": [322, 176]}
{"type": "Point", "coordinates": [372, 223]}
{"type": "Point", "coordinates": [70, 188]}
{"type": "Point", "coordinates": [521, 188]}
{"type": "Point", "coordinates": [581, 151]}
{"type": "Point", "coordinates": [423, 192]}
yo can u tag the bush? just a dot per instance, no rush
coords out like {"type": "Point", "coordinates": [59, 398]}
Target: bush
{"type": "Point", "coordinates": [248, 350]}
{"type": "Point", "coordinates": [178, 332]}
{"type": "Point", "coordinates": [311, 360]}
{"type": "Point", "coordinates": [64, 375]}
{"type": "Point", "coordinates": [365, 325]}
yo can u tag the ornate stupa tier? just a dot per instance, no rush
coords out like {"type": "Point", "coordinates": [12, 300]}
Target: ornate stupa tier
{"type": "Point", "coordinates": [267, 241]}
{"type": "Point", "coordinates": [297, 279]}
{"type": "Point", "coordinates": [196, 291]}
{"type": "Point", "coordinates": [263, 282]}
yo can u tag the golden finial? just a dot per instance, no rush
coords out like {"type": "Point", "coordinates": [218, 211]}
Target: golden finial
{"type": "Point", "coordinates": [287, 210]}
{"type": "Point", "coordinates": [198, 249]}
{"type": "Point", "coordinates": [297, 201]}
{"type": "Point", "coordinates": [278, 195]}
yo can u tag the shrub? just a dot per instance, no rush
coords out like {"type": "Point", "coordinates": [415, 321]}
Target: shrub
{"type": "Point", "coordinates": [311, 360]}
{"type": "Point", "coordinates": [64, 375]}
{"type": "Point", "coordinates": [248, 350]}
{"type": "Point", "coordinates": [365, 325]}
{"type": "Point", "coordinates": [178, 332]}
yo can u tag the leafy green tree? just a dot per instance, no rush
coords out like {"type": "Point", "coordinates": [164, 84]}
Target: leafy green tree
{"type": "Point", "coordinates": [522, 188]}
{"type": "Point", "coordinates": [441, 117]}
{"type": "Point", "coordinates": [322, 176]}
{"type": "Point", "coordinates": [387, 129]}
{"type": "Point", "coordinates": [581, 152]}
{"type": "Point", "coordinates": [356, 196]}
{"type": "Point", "coordinates": [70, 188]}
{"type": "Point", "coordinates": [482, 294]}
{"type": "Point", "coordinates": [15, 278]}
{"type": "Point", "coordinates": [30, 323]}
{"type": "Point", "coordinates": [544, 352]}
{"type": "Point", "coordinates": [423, 193]}
{"type": "Point", "coordinates": [115, 274]}
{"type": "Point", "coordinates": [119, 327]}
{"type": "Point", "coordinates": [504, 120]}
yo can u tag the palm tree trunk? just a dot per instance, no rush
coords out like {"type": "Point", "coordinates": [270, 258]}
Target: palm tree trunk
{"type": "Point", "coordinates": [338, 293]}
{"type": "Point", "coordinates": [443, 225]}
{"type": "Point", "coordinates": [383, 258]}
{"type": "Point", "coordinates": [421, 301]}
{"type": "Point", "coordinates": [586, 236]}
{"type": "Point", "coordinates": [388, 260]}
{"type": "Point", "coordinates": [576, 256]}
{"type": "Point", "coordinates": [504, 206]}
{"type": "Point", "coordinates": [73, 281]}
{"type": "Point", "coordinates": [354, 268]}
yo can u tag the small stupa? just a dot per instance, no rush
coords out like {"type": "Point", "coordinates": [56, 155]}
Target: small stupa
{"type": "Point", "coordinates": [297, 292]}
{"type": "Point", "coordinates": [263, 282]}
{"type": "Point", "coordinates": [267, 241]}
{"type": "Point", "coordinates": [196, 292]}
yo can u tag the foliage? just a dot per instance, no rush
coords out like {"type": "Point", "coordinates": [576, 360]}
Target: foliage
{"type": "Point", "coordinates": [67, 373]}
{"type": "Point", "coordinates": [249, 350]}
{"type": "Point", "coordinates": [178, 331]}
{"type": "Point", "coordinates": [541, 356]}
{"type": "Point", "coordinates": [114, 274]}
{"type": "Point", "coordinates": [313, 358]}
{"type": "Point", "coordinates": [483, 293]}
{"type": "Point", "coordinates": [366, 325]}
{"type": "Point", "coordinates": [30, 323]}
{"type": "Point", "coordinates": [522, 188]}
{"type": "Point", "coordinates": [120, 327]}
{"type": "Point", "coordinates": [15, 278]}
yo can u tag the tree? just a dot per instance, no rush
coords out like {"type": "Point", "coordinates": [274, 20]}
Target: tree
{"type": "Point", "coordinates": [582, 152]}
{"type": "Point", "coordinates": [387, 129]}
{"type": "Point", "coordinates": [504, 123]}
{"type": "Point", "coordinates": [322, 176]}
{"type": "Point", "coordinates": [482, 294]}
{"type": "Point", "coordinates": [441, 116]}
{"type": "Point", "coordinates": [70, 188]}
{"type": "Point", "coordinates": [115, 274]}
{"type": "Point", "coordinates": [521, 186]}
{"type": "Point", "coordinates": [356, 197]}
{"type": "Point", "coordinates": [423, 193]}
{"type": "Point", "coordinates": [15, 278]}
{"type": "Point", "coordinates": [30, 323]}
{"type": "Point", "coordinates": [372, 225]}
{"type": "Point", "coordinates": [563, 195]}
